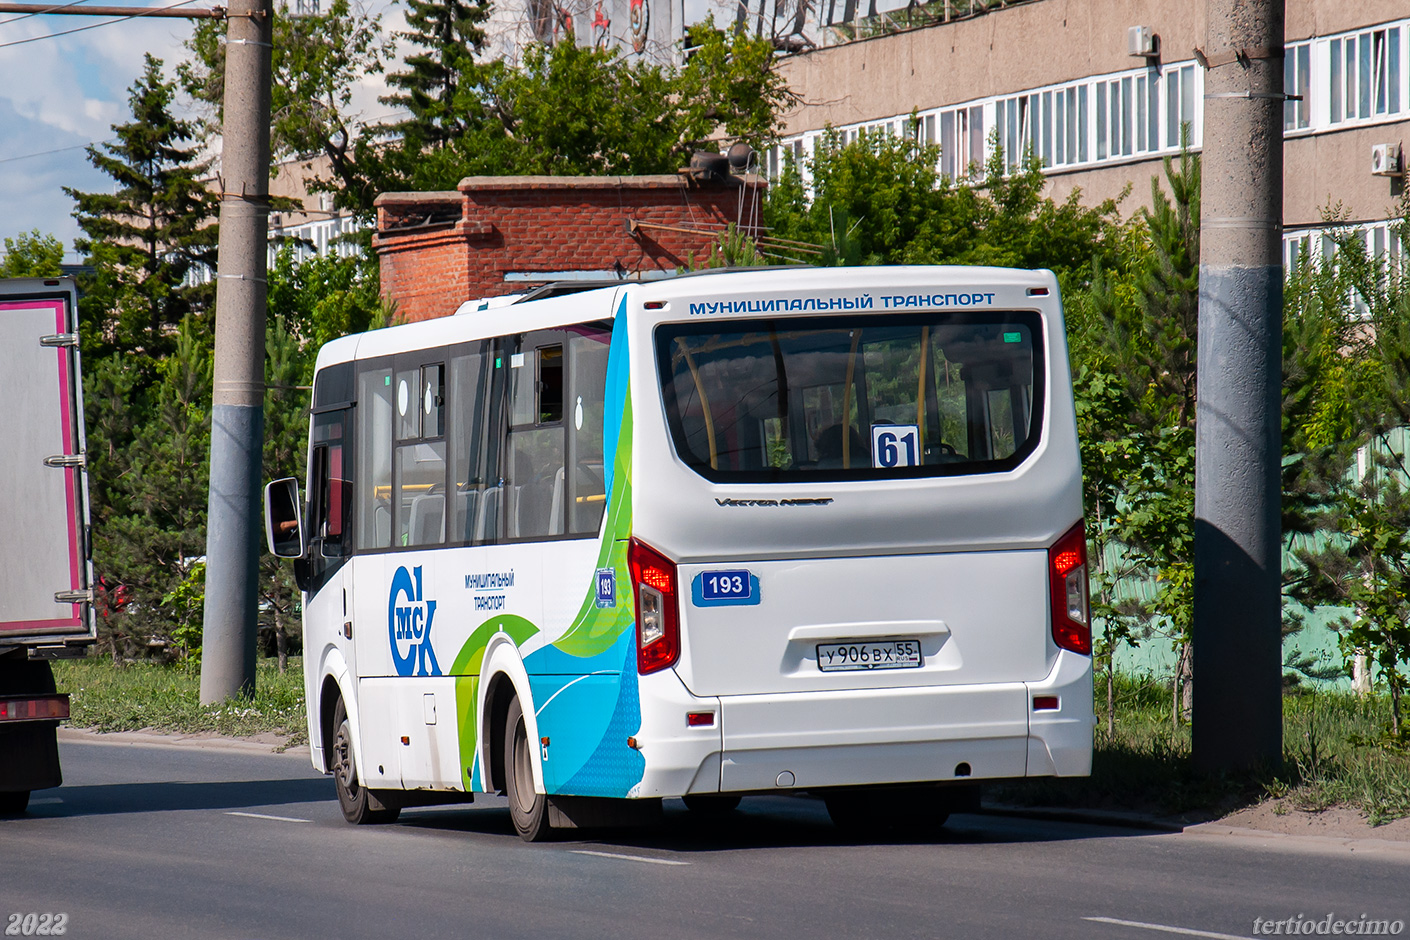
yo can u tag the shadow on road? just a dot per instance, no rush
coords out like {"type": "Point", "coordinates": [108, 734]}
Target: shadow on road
{"type": "Point", "coordinates": [766, 823]}
{"type": "Point", "coordinates": [113, 798]}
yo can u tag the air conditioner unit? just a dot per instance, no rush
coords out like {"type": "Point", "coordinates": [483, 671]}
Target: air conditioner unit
{"type": "Point", "coordinates": [1141, 42]}
{"type": "Point", "coordinates": [1385, 160]}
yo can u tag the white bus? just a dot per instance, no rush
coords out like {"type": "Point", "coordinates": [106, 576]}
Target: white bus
{"type": "Point", "coordinates": [793, 530]}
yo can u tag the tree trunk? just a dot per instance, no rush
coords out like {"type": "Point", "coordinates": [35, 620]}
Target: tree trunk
{"type": "Point", "coordinates": [281, 639]}
{"type": "Point", "coordinates": [1395, 708]}
{"type": "Point", "coordinates": [1111, 692]}
{"type": "Point", "coordinates": [1181, 689]}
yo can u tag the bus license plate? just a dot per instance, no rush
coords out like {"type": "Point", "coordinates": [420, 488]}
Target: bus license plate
{"type": "Point", "coordinates": [869, 654]}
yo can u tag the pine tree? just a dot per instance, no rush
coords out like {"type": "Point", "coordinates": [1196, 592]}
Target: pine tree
{"type": "Point", "coordinates": [449, 33]}
{"type": "Point", "coordinates": [148, 465]}
{"type": "Point", "coordinates": [144, 238]}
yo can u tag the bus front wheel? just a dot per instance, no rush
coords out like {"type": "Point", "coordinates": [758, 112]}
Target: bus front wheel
{"type": "Point", "coordinates": [14, 802]}
{"type": "Point", "coordinates": [358, 804]}
{"type": "Point", "coordinates": [528, 810]}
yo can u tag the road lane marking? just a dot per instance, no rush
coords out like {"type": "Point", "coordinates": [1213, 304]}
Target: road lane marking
{"type": "Point", "coordinates": [1164, 928]}
{"type": "Point", "coordinates": [629, 858]}
{"type": "Point", "coordinates": [46, 801]}
{"type": "Point", "coordinates": [265, 816]}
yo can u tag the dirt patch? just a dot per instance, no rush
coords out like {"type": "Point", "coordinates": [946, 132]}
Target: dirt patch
{"type": "Point", "coordinates": [1337, 822]}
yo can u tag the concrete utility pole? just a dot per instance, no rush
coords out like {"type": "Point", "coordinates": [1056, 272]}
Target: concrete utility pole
{"type": "Point", "coordinates": [1238, 559]}
{"type": "Point", "coordinates": [237, 413]}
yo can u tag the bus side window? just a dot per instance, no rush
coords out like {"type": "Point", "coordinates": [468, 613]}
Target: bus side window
{"type": "Point", "coordinates": [473, 475]}
{"type": "Point", "coordinates": [419, 468]}
{"type": "Point", "coordinates": [534, 507]}
{"type": "Point", "coordinates": [586, 406]}
{"type": "Point", "coordinates": [374, 459]}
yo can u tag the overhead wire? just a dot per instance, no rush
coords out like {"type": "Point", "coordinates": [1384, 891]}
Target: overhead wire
{"type": "Point", "coordinates": [80, 29]}
{"type": "Point", "coordinates": [25, 16]}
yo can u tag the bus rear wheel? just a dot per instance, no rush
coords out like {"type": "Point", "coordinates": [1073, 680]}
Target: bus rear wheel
{"type": "Point", "coordinates": [358, 804]}
{"type": "Point", "coordinates": [14, 802]}
{"type": "Point", "coordinates": [528, 810]}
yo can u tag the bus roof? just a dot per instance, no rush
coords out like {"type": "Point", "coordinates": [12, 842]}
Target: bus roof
{"type": "Point", "coordinates": [517, 313]}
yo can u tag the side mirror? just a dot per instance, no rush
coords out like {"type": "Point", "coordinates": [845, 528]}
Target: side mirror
{"type": "Point", "coordinates": [283, 527]}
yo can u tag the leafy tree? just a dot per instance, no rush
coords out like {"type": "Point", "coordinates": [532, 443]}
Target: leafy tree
{"type": "Point", "coordinates": [1353, 520]}
{"type": "Point", "coordinates": [316, 61]}
{"type": "Point", "coordinates": [32, 254]}
{"type": "Point", "coordinates": [880, 199]}
{"type": "Point", "coordinates": [143, 238]}
{"type": "Point", "coordinates": [570, 110]}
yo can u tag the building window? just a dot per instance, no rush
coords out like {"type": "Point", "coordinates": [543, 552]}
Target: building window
{"type": "Point", "coordinates": [1364, 74]}
{"type": "Point", "coordinates": [1297, 68]}
{"type": "Point", "coordinates": [1180, 106]}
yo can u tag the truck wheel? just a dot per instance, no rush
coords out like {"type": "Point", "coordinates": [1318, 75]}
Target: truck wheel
{"type": "Point", "coordinates": [710, 804]}
{"type": "Point", "coordinates": [528, 810]}
{"type": "Point", "coordinates": [14, 802]}
{"type": "Point", "coordinates": [359, 806]}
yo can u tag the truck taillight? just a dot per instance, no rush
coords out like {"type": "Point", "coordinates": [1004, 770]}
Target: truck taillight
{"type": "Point", "coordinates": [658, 634]}
{"type": "Point", "coordinates": [1067, 581]}
{"type": "Point", "coordinates": [35, 708]}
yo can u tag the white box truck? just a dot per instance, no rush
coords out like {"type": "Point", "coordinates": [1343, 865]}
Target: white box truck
{"type": "Point", "coordinates": [46, 568]}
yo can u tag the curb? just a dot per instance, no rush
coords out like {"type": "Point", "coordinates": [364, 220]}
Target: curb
{"type": "Point", "coordinates": [158, 739]}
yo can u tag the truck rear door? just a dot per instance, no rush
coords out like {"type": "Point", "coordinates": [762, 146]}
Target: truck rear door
{"type": "Point", "coordinates": [44, 561]}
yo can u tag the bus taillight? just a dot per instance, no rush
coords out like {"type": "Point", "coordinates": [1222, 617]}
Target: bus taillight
{"type": "Point", "coordinates": [1067, 581]}
{"type": "Point", "coordinates": [658, 635]}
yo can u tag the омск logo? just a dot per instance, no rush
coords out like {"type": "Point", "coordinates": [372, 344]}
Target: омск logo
{"type": "Point", "coordinates": [409, 626]}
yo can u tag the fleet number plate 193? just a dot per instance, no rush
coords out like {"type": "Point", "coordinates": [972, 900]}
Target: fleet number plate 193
{"type": "Point", "coordinates": [869, 654]}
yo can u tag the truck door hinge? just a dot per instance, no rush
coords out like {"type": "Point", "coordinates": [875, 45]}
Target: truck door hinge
{"type": "Point", "coordinates": [59, 339]}
{"type": "Point", "coordinates": [60, 461]}
{"type": "Point", "coordinates": [73, 597]}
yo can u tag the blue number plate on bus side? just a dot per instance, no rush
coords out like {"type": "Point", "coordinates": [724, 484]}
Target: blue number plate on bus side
{"type": "Point", "coordinates": [735, 587]}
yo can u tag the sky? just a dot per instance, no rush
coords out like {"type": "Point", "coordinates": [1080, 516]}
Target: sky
{"type": "Point", "coordinates": [59, 94]}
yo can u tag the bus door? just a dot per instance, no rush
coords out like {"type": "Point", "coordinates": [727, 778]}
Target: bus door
{"type": "Point", "coordinates": [328, 617]}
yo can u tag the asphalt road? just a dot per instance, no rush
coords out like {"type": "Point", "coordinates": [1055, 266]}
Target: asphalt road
{"type": "Point", "coordinates": [190, 843]}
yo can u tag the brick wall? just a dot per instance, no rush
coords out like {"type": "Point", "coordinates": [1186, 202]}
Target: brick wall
{"type": "Point", "coordinates": [501, 234]}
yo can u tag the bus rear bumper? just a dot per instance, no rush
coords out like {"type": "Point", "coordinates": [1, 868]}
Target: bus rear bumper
{"type": "Point", "coordinates": [809, 740]}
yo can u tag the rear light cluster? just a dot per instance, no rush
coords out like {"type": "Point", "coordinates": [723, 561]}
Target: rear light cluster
{"type": "Point", "coordinates": [43, 708]}
{"type": "Point", "coordinates": [1067, 580]}
{"type": "Point", "coordinates": [658, 629]}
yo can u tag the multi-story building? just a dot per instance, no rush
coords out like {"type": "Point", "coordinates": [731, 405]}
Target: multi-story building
{"type": "Point", "coordinates": [1103, 90]}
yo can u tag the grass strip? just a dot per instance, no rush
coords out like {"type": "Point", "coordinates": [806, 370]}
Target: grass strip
{"type": "Point", "coordinates": [1333, 755]}
{"type": "Point", "coordinates": [167, 698]}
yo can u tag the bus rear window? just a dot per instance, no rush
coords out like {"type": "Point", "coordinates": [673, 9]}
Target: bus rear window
{"type": "Point", "coordinates": [860, 397]}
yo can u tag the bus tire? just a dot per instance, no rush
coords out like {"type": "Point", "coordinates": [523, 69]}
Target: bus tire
{"type": "Point", "coordinates": [358, 804]}
{"type": "Point", "coordinates": [14, 802]}
{"type": "Point", "coordinates": [711, 804]}
{"type": "Point", "coordinates": [528, 810]}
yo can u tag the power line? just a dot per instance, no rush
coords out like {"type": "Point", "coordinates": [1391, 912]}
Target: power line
{"type": "Point", "coordinates": [79, 29]}
{"type": "Point", "coordinates": [45, 153]}
{"type": "Point", "coordinates": [24, 16]}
